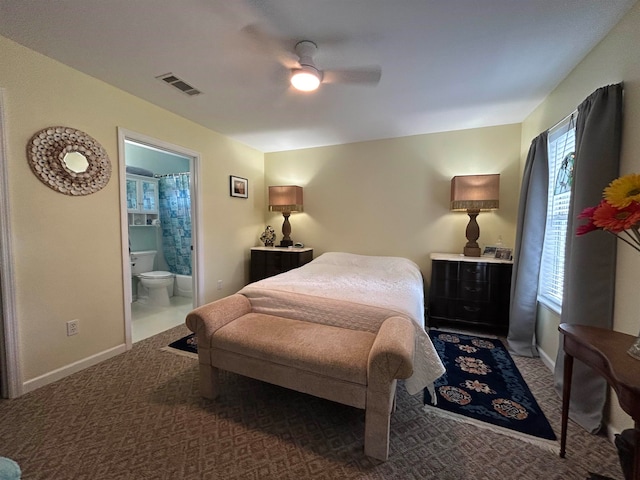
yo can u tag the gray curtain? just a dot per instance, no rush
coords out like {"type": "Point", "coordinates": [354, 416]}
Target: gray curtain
{"type": "Point", "coordinates": [532, 213]}
{"type": "Point", "coordinates": [590, 260]}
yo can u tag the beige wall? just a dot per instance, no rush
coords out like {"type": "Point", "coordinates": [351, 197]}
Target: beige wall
{"type": "Point", "coordinates": [67, 251]}
{"type": "Point", "coordinates": [391, 197]}
{"type": "Point", "coordinates": [614, 60]}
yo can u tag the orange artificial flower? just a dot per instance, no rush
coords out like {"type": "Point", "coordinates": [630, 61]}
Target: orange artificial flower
{"type": "Point", "coordinates": [616, 220]}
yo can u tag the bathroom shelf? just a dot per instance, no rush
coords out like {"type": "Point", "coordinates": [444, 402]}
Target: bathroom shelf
{"type": "Point", "coordinates": [142, 200]}
{"type": "Point", "coordinates": [142, 219]}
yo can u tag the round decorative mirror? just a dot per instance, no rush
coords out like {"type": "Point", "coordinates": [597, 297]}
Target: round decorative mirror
{"type": "Point", "coordinates": [76, 162]}
{"type": "Point", "coordinates": [69, 161]}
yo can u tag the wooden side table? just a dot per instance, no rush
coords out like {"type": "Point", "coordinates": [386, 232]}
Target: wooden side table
{"type": "Point", "coordinates": [606, 352]}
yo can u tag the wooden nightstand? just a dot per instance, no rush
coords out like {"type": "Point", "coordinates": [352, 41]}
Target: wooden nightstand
{"type": "Point", "coordinates": [270, 261]}
{"type": "Point", "coordinates": [470, 292]}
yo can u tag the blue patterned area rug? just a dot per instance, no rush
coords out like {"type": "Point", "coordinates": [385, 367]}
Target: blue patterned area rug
{"type": "Point", "coordinates": [483, 386]}
{"type": "Point", "coordinates": [186, 346]}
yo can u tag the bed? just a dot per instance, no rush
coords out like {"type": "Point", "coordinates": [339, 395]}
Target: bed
{"type": "Point", "coordinates": [357, 292]}
{"type": "Point", "coordinates": [343, 327]}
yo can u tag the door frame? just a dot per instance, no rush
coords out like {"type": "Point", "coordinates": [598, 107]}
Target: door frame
{"type": "Point", "coordinates": [197, 271]}
{"type": "Point", "coordinates": [10, 371]}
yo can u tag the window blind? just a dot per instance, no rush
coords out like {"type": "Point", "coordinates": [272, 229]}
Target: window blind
{"type": "Point", "coordinates": [561, 148]}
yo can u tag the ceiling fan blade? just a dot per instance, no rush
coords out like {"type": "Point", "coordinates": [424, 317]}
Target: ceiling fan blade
{"type": "Point", "coordinates": [363, 75]}
{"type": "Point", "coordinates": [279, 47]}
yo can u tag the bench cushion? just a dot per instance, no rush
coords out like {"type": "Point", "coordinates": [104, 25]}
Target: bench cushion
{"type": "Point", "coordinates": [322, 349]}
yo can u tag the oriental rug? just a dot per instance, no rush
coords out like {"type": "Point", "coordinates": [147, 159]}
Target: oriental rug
{"type": "Point", "coordinates": [186, 346]}
{"type": "Point", "coordinates": [482, 385]}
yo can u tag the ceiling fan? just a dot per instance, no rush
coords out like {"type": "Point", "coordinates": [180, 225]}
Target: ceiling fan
{"type": "Point", "coordinates": [308, 76]}
{"type": "Point", "coordinates": [304, 74]}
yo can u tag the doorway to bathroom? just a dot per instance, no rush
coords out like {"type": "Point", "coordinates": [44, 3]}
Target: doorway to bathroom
{"type": "Point", "coordinates": [159, 218]}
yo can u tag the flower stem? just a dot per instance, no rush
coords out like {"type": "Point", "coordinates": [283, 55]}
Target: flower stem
{"type": "Point", "coordinates": [633, 245]}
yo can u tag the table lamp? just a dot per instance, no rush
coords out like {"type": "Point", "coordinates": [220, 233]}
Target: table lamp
{"type": "Point", "coordinates": [285, 199]}
{"type": "Point", "coordinates": [472, 194]}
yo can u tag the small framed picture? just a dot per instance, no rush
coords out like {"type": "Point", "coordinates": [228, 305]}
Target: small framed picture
{"type": "Point", "coordinates": [238, 186]}
{"type": "Point", "coordinates": [503, 253]}
{"type": "Point", "coordinates": [489, 251]}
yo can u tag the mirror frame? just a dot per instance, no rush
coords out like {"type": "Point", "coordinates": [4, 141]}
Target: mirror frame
{"type": "Point", "coordinates": [46, 151]}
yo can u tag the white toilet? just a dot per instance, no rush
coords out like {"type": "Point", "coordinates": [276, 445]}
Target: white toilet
{"type": "Point", "coordinates": [154, 287]}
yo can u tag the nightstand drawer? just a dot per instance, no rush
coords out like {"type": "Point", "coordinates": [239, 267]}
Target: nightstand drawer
{"type": "Point", "coordinates": [445, 271]}
{"type": "Point", "coordinates": [277, 262]}
{"type": "Point", "coordinates": [443, 308]}
{"type": "Point", "coordinates": [474, 291]}
{"type": "Point", "coordinates": [472, 311]}
{"type": "Point", "coordinates": [445, 288]}
{"type": "Point", "coordinates": [475, 272]}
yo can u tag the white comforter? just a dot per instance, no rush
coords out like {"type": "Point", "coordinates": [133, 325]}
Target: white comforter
{"type": "Point", "coordinates": [353, 291]}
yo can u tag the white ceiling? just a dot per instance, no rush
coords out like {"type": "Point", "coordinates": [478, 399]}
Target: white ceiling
{"type": "Point", "coordinates": [446, 64]}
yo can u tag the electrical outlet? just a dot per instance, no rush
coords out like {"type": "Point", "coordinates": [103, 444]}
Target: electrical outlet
{"type": "Point", "coordinates": [219, 284]}
{"type": "Point", "coordinates": [72, 327]}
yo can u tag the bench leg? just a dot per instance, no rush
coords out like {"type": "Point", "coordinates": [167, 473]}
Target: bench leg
{"type": "Point", "coordinates": [377, 421]}
{"type": "Point", "coordinates": [208, 381]}
{"type": "Point", "coordinates": [376, 434]}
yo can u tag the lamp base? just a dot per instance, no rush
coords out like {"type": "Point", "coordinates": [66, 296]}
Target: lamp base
{"type": "Point", "coordinates": [471, 251]}
{"type": "Point", "coordinates": [286, 231]}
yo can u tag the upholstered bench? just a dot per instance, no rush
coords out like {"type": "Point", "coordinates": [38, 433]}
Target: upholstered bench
{"type": "Point", "coordinates": [352, 367]}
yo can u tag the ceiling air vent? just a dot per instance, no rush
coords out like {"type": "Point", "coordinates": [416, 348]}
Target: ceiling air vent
{"type": "Point", "coordinates": [181, 85]}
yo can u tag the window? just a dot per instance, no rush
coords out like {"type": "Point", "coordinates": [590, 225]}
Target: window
{"type": "Point", "coordinates": [561, 147]}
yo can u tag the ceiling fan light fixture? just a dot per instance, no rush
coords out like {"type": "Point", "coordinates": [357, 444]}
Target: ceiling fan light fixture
{"type": "Point", "coordinates": [305, 79]}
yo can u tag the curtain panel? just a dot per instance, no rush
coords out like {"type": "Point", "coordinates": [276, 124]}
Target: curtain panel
{"type": "Point", "coordinates": [532, 214]}
{"type": "Point", "coordinates": [588, 296]}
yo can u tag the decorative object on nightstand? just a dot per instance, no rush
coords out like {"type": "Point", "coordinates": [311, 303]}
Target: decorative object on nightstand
{"type": "Point", "coordinates": [268, 237]}
{"type": "Point", "coordinates": [285, 199]}
{"type": "Point", "coordinates": [473, 194]}
{"type": "Point", "coordinates": [270, 261]}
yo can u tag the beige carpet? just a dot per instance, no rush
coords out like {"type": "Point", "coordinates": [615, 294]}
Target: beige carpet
{"type": "Point", "coordinates": [139, 416]}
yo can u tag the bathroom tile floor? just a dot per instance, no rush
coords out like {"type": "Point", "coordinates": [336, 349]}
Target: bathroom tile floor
{"type": "Point", "coordinates": [149, 320]}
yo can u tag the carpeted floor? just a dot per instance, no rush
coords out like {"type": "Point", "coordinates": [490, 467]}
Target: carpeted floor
{"type": "Point", "coordinates": [139, 416]}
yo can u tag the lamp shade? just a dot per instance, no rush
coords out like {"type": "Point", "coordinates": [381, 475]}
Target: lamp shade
{"type": "Point", "coordinates": [286, 198]}
{"type": "Point", "coordinates": [475, 192]}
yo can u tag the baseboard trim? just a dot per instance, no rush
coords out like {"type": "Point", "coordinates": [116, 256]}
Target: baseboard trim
{"type": "Point", "coordinates": [72, 368]}
{"type": "Point", "coordinates": [546, 359]}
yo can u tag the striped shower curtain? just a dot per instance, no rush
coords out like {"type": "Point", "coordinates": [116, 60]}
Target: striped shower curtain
{"type": "Point", "coordinates": [175, 219]}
